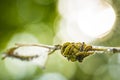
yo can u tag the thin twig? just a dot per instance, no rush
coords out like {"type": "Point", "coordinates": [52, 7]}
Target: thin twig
{"type": "Point", "coordinates": [107, 49]}
{"type": "Point", "coordinates": [39, 45]}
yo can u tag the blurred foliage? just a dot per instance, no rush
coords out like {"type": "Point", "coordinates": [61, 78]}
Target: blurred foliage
{"type": "Point", "coordinates": [112, 39]}
{"type": "Point", "coordinates": [28, 21]}
{"type": "Point", "coordinates": [36, 17]}
{"type": "Point", "coordinates": [34, 21]}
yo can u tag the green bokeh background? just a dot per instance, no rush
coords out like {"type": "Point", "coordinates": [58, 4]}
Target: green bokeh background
{"type": "Point", "coordinates": [35, 21]}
